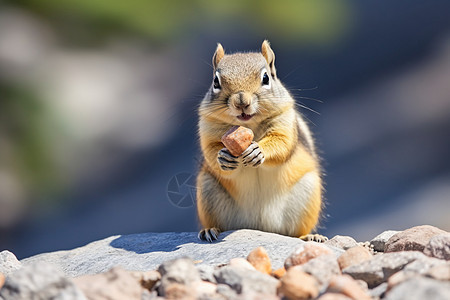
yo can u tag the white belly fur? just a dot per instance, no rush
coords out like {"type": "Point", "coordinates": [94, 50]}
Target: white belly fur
{"type": "Point", "coordinates": [266, 204]}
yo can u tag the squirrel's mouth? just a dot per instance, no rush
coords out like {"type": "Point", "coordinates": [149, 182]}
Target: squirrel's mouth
{"type": "Point", "coordinates": [245, 117]}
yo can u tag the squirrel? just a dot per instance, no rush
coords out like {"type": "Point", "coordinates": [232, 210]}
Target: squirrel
{"type": "Point", "coordinates": [275, 185]}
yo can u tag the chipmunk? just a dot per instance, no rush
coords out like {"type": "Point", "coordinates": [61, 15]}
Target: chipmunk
{"type": "Point", "coordinates": [275, 185]}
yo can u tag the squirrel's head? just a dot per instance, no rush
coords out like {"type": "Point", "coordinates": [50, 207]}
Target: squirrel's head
{"type": "Point", "coordinates": [245, 87]}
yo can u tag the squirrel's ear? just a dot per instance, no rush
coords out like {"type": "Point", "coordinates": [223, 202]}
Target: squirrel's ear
{"type": "Point", "coordinates": [218, 55]}
{"type": "Point", "coordinates": [268, 54]}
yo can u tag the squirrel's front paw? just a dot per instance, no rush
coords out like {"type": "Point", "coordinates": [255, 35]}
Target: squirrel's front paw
{"type": "Point", "coordinates": [227, 161]}
{"type": "Point", "coordinates": [252, 156]}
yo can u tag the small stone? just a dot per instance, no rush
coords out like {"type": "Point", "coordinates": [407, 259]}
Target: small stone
{"type": "Point", "coordinates": [204, 288]}
{"type": "Point", "coordinates": [240, 262]}
{"type": "Point", "coordinates": [342, 241]}
{"type": "Point", "coordinates": [115, 284]}
{"type": "Point", "coordinates": [149, 279]}
{"type": "Point", "coordinates": [243, 281]}
{"type": "Point", "coordinates": [398, 278]}
{"type": "Point", "coordinates": [380, 240]}
{"type": "Point", "coordinates": [439, 246]}
{"type": "Point", "coordinates": [260, 260]}
{"type": "Point", "coordinates": [420, 288]}
{"type": "Point", "coordinates": [354, 256]}
{"type": "Point", "coordinates": [178, 291]}
{"type": "Point", "coordinates": [346, 285]}
{"type": "Point", "coordinates": [206, 273]}
{"type": "Point", "coordinates": [441, 272]}
{"type": "Point", "coordinates": [412, 239]}
{"type": "Point", "coordinates": [323, 268]}
{"type": "Point", "coordinates": [226, 291]}
{"type": "Point", "coordinates": [379, 291]}
{"type": "Point", "coordinates": [362, 284]}
{"type": "Point", "coordinates": [305, 253]}
{"type": "Point", "coordinates": [2, 280]}
{"type": "Point", "coordinates": [298, 285]}
{"type": "Point", "coordinates": [181, 270]}
{"type": "Point", "coordinates": [39, 281]}
{"type": "Point", "coordinates": [278, 273]}
{"type": "Point", "coordinates": [378, 269]}
{"type": "Point", "coordinates": [422, 265]}
{"type": "Point", "coordinates": [418, 267]}
{"type": "Point", "coordinates": [333, 296]}
{"type": "Point", "coordinates": [8, 263]}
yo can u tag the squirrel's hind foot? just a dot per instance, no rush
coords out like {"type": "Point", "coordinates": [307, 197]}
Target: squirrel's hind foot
{"type": "Point", "coordinates": [314, 238]}
{"type": "Point", "coordinates": [209, 234]}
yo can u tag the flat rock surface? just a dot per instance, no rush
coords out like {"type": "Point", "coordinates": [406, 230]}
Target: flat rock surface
{"type": "Point", "coordinates": [143, 252]}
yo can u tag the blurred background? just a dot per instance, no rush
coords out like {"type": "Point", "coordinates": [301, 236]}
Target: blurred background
{"type": "Point", "coordinates": [98, 107]}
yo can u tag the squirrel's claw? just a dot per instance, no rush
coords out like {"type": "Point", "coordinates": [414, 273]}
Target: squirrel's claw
{"type": "Point", "coordinates": [252, 156]}
{"type": "Point", "coordinates": [314, 238]}
{"type": "Point", "coordinates": [209, 234]}
{"type": "Point", "coordinates": [226, 160]}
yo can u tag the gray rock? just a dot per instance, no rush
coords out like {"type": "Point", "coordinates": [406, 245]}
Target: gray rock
{"type": "Point", "coordinates": [206, 273]}
{"type": "Point", "coordinates": [380, 240]}
{"type": "Point", "coordinates": [378, 269]}
{"type": "Point", "coordinates": [412, 239]}
{"type": "Point", "coordinates": [422, 265]}
{"type": "Point", "coordinates": [39, 281]}
{"type": "Point", "coordinates": [439, 246]}
{"type": "Point", "coordinates": [181, 270]}
{"type": "Point", "coordinates": [379, 291]}
{"type": "Point", "coordinates": [8, 263]}
{"type": "Point", "coordinates": [142, 252]}
{"type": "Point", "coordinates": [226, 291]}
{"type": "Point", "coordinates": [244, 281]}
{"type": "Point", "coordinates": [420, 288]}
{"type": "Point", "coordinates": [440, 272]}
{"type": "Point", "coordinates": [323, 268]}
{"type": "Point", "coordinates": [342, 242]}
{"type": "Point", "coordinates": [116, 284]}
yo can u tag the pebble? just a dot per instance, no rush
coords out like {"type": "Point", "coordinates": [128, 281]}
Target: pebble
{"type": "Point", "coordinates": [260, 260]}
{"type": "Point", "coordinates": [380, 240]}
{"type": "Point", "coordinates": [440, 272]}
{"type": "Point", "coordinates": [243, 281]}
{"type": "Point", "coordinates": [206, 273]}
{"type": "Point", "coordinates": [39, 281]}
{"type": "Point", "coordinates": [115, 284]}
{"type": "Point", "coordinates": [379, 291]}
{"type": "Point", "coordinates": [149, 279]}
{"type": "Point", "coordinates": [204, 288]}
{"type": "Point", "coordinates": [305, 253]}
{"type": "Point", "coordinates": [420, 288]}
{"type": "Point", "coordinates": [323, 268]}
{"type": "Point", "coordinates": [346, 285]}
{"type": "Point", "coordinates": [298, 285]}
{"type": "Point", "coordinates": [278, 273]}
{"type": "Point", "coordinates": [179, 291]}
{"type": "Point", "coordinates": [412, 239]}
{"type": "Point", "coordinates": [2, 280]}
{"type": "Point", "coordinates": [240, 262]}
{"type": "Point", "coordinates": [439, 246]}
{"type": "Point", "coordinates": [181, 270]}
{"type": "Point", "coordinates": [354, 256]}
{"type": "Point", "coordinates": [378, 269]}
{"type": "Point", "coordinates": [342, 241]}
{"type": "Point", "coordinates": [333, 296]}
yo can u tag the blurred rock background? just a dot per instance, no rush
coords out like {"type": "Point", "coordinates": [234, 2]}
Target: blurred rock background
{"type": "Point", "coordinates": [98, 110]}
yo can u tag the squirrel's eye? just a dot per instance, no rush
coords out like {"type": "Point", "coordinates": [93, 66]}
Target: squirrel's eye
{"type": "Point", "coordinates": [216, 85]}
{"type": "Point", "coordinates": [265, 79]}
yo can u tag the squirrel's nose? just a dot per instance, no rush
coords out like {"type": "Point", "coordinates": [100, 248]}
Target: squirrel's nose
{"type": "Point", "coordinates": [241, 101]}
